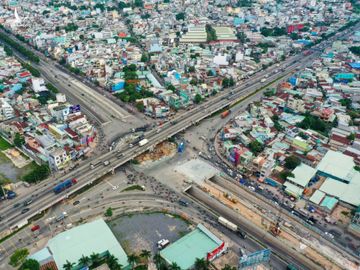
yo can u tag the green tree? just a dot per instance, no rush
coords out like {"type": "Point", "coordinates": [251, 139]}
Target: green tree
{"type": "Point", "coordinates": [157, 260]}
{"type": "Point", "coordinates": [68, 265]}
{"type": "Point", "coordinates": [122, 5]}
{"type": "Point", "coordinates": [95, 258]}
{"type": "Point", "coordinates": [140, 106]}
{"type": "Point", "coordinates": [113, 263]}
{"type": "Point", "coordinates": [256, 147]}
{"type": "Point", "coordinates": [201, 264]}
{"type": "Point", "coordinates": [133, 259]}
{"type": "Point", "coordinates": [109, 212]}
{"type": "Point", "coordinates": [174, 266]}
{"type": "Point", "coordinates": [351, 136]}
{"type": "Point", "coordinates": [292, 162]}
{"type": "Point", "coordinates": [355, 50]}
{"type": "Point", "coordinates": [171, 87]}
{"type": "Point", "coordinates": [145, 254]}
{"type": "Point", "coordinates": [85, 261]}
{"type": "Point", "coordinates": [197, 98]}
{"type": "Point", "coordinates": [180, 16]}
{"type": "Point", "coordinates": [211, 33]}
{"type": "Point", "coordinates": [138, 3]}
{"type": "Point", "coordinates": [18, 257]}
{"type": "Point", "coordinates": [19, 140]}
{"type": "Point", "coordinates": [285, 174]}
{"type": "Point", "coordinates": [144, 58]}
{"type": "Point", "coordinates": [8, 51]}
{"type": "Point", "coordinates": [38, 173]}
{"type": "Point", "coordinates": [30, 264]}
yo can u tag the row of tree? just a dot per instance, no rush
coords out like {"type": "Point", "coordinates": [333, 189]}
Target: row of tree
{"type": "Point", "coordinates": [20, 48]}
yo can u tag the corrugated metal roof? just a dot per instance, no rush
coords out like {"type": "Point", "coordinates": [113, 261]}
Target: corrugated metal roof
{"type": "Point", "coordinates": [93, 237]}
{"type": "Point", "coordinates": [196, 244]}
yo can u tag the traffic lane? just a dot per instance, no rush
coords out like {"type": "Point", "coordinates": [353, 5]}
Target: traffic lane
{"type": "Point", "coordinates": [198, 110]}
{"type": "Point", "coordinates": [268, 240]}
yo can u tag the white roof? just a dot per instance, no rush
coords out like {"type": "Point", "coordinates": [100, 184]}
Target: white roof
{"type": "Point", "coordinates": [339, 166]}
{"type": "Point", "coordinates": [349, 193]}
{"type": "Point", "coordinates": [302, 175]}
{"type": "Point", "coordinates": [317, 197]}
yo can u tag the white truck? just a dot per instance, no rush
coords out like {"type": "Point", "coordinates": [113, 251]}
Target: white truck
{"type": "Point", "coordinates": [263, 80]}
{"type": "Point", "coordinates": [226, 223]}
{"type": "Point", "coordinates": [143, 142]}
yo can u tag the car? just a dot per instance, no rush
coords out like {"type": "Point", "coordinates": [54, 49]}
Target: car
{"type": "Point", "coordinates": [76, 203]}
{"type": "Point", "coordinates": [27, 202]}
{"type": "Point", "coordinates": [16, 205]}
{"type": "Point", "coordinates": [330, 235]}
{"type": "Point", "coordinates": [25, 210]}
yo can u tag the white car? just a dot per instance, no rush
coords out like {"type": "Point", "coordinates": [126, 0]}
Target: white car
{"type": "Point", "coordinates": [329, 235]}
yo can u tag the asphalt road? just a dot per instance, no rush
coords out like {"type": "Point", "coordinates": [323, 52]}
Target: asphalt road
{"type": "Point", "coordinates": [43, 198]}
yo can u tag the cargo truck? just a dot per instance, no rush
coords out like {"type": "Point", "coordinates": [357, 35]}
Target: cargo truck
{"type": "Point", "coordinates": [231, 226]}
{"type": "Point", "coordinates": [225, 114]}
{"type": "Point", "coordinates": [143, 128]}
{"type": "Point", "coordinates": [143, 142]}
{"type": "Point", "coordinates": [64, 185]}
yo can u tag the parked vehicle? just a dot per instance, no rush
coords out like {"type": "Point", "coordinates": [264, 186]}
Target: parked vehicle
{"type": "Point", "coordinates": [64, 185]}
{"type": "Point", "coordinates": [163, 243]}
{"type": "Point", "coordinates": [35, 228]}
{"type": "Point", "coordinates": [10, 195]}
{"type": "Point", "coordinates": [62, 216]}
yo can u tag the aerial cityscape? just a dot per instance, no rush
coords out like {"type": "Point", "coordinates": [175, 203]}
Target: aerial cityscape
{"type": "Point", "coordinates": [180, 134]}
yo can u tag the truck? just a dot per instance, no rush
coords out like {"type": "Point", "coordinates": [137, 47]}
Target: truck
{"type": "Point", "coordinates": [225, 113]}
{"type": "Point", "coordinates": [64, 185]}
{"type": "Point", "coordinates": [138, 129]}
{"type": "Point", "coordinates": [263, 80]}
{"type": "Point", "coordinates": [143, 142]}
{"type": "Point", "coordinates": [231, 226]}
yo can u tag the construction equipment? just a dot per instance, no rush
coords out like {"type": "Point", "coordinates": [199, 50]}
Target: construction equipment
{"type": "Point", "coordinates": [275, 229]}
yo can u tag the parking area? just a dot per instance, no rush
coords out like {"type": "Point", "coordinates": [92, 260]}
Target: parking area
{"type": "Point", "coordinates": [142, 231]}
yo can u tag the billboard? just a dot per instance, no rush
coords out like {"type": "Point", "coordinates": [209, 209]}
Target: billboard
{"type": "Point", "coordinates": [75, 108]}
{"type": "Point", "coordinates": [254, 259]}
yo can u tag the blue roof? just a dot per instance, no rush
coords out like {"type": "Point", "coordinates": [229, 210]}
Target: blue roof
{"type": "Point", "coordinates": [42, 255]}
{"type": "Point", "coordinates": [355, 65]}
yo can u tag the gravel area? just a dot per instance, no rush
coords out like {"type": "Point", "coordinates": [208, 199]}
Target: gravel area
{"type": "Point", "coordinates": [142, 231]}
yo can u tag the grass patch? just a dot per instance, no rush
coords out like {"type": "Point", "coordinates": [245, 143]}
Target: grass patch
{"type": "Point", "coordinates": [133, 187]}
{"type": "Point", "coordinates": [4, 145]}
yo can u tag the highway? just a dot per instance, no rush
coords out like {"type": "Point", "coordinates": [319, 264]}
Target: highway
{"type": "Point", "coordinates": [43, 197]}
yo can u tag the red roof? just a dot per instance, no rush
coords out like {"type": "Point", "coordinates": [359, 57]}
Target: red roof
{"type": "Point", "coordinates": [122, 34]}
{"type": "Point", "coordinates": [24, 74]}
{"type": "Point", "coordinates": [340, 139]}
{"type": "Point", "coordinates": [71, 132]}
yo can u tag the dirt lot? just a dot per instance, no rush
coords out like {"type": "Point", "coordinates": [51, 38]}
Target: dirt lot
{"type": "Point", "coordinates": [164, 149]}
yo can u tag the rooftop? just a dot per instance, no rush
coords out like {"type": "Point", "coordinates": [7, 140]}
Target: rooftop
{"type": "Point", "coordinates": [84, 240]}
{"type": "Point", "coordinates": [338, 166]}
{"type": "Point", "coordinates": [196, 244]}
{"type": "Point", "coordinates": [302, 175]}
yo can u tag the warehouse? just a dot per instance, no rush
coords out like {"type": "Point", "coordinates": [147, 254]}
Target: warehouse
{"type": "Point", "coordinates": [200, 243]}
{"type": "Point", "coordinates": [83, 240]}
